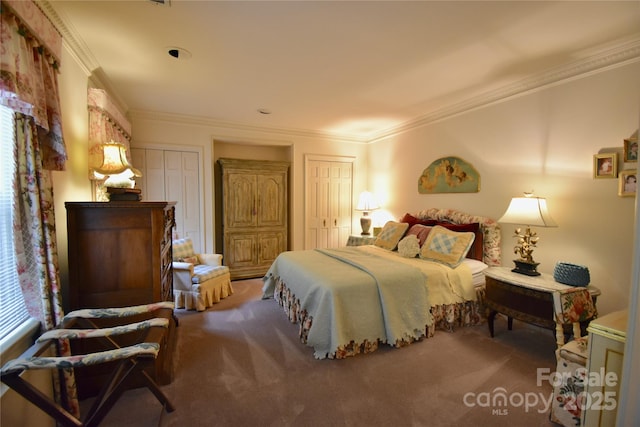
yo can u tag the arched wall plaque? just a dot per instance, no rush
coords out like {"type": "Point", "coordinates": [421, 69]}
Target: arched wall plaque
{"type": "Point", "coordinates": [449, 175]}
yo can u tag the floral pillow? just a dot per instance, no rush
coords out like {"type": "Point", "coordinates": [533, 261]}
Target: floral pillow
{"type": "Point", "coordinates": [446, 246]}
{"type": "Point", "coordinates": [409, 246]}
{"type": "Point", "coordinates": [391, 234]}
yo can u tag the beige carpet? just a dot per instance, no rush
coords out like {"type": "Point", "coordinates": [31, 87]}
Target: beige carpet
{"type": "Point", "coordinates": [241, 363]}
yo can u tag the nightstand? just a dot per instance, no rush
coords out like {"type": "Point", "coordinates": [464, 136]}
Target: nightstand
{"type": "Point", "coordinates": [529, 299]}
{"type": "Point", "coordinates": [356, 240]}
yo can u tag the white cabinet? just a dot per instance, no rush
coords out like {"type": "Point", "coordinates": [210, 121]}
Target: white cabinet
{"type": "Point", "coordinates": [328, 202]}
{"type": "Point", "coordinates": [607, 336]}
{"type": "Point", "coordinates": [173, 175]}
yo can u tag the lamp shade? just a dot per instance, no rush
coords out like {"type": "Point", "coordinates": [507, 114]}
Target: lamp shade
{"type": "Point", "coordinates": [528, 210]}
{"type": "Point", "coordinates": [114, 160]}
{"type": "Point", "coordinates": [367, 202]}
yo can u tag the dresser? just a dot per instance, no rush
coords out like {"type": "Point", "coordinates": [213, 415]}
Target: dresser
{"type": "Point", "coordinates": [607, 336]}
{"type": "Point", "coordinates": [254, 214]}
{"type": "Point", "coordinates": [120, 255]}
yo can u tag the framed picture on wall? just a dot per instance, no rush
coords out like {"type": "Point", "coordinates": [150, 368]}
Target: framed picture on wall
{"type": "Point", "coordinates": [631, 150]}
{"type": "Point", "coordinates": [605, 165]}
{"type": "Point", "coordinates": [627, 183]}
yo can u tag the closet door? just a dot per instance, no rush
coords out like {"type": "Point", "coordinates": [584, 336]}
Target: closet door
{"type": "Point", "coordinates": [328, 203]}
{"type": "Point", "coordinates": [341, 190]}
{"type": "Point", "coordinates": [318, 204]}
{"type": "Point", "coordinates": [182, 186]}
{"type": "Point", "coordinates": [173, 175]}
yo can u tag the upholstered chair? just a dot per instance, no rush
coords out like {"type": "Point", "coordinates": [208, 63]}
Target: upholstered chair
{"type": "Point", "coordinates": [573, 306]}
{"type": "Point", "coordinates": [199, 280]}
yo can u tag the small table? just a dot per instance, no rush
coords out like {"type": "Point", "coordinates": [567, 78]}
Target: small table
{"type": "Point", "coordinates": [526, 298]}
{"type": "Point", "coordinates": [355, 240]}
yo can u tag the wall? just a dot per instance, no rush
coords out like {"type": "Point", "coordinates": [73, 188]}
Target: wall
{"type": "Point", "coordinates": [150, 129]}
{"type": "Point", "coordinates": [542, 141]}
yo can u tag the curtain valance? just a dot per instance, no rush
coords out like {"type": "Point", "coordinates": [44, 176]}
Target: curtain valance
{"type": "Point", "coordinates": [106, 123]}
{"type": "Point", "coordinates": [28, 75]}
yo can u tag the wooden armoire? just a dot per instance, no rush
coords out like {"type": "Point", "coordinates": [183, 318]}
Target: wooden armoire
{"type": "Point", "coordinates": [254, 214]}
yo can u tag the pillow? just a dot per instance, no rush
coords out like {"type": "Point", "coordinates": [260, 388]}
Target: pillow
{"type": "Point", "coordinates": [446, 246]}
{"type": "Point", "coordinates": [476, 249]}
{"type": "Point", "coordinates": [409, 246]}
{"type": "Point", "coordinates": [412, 220]}
{"type": "Point", "coordinates": [182, 248]}
{"type": "Point", "coordinates": [420, 231]}
{"type": "Point", "coordinates": [391, 234]}
{"type": "Point", "coordinates": [190, 259]}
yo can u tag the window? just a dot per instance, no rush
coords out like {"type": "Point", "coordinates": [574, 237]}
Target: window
{"type": "Point", "coordinates": [13, 311]}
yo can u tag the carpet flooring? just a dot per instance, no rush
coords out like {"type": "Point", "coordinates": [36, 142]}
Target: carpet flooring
{"type": "Point", "coordinates": [240, 363]}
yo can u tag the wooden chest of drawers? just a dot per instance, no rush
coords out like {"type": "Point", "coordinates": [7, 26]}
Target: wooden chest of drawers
{"type": "Point", "coordinates": [119, 253]}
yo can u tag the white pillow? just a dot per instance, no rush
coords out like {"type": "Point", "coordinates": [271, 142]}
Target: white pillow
{"type": "Point", "coordinates": [409, 246]}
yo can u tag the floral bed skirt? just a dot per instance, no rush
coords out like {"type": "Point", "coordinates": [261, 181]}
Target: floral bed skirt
{"type": "Point", "coordinates": [446, 317]}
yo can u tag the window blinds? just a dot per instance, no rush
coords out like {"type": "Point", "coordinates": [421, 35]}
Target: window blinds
{"type": "Point", "coordinates": [12, 308]}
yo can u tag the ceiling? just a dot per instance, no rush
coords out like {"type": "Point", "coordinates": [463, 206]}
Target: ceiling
{"type": "Point", "coordinates": [358, 69]}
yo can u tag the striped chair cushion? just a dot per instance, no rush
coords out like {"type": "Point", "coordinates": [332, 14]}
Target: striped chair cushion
{"type": "Point", "coordinates": [203, 272]}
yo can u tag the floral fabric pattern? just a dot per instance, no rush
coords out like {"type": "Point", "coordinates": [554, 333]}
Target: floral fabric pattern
{"type": "Point", "coordinates": [81, 360]}
{"type": "Point", "coordinates": [103, 332]}
{"type": "Point", "coordinates": [102, 313]}
{"type": "Point", "coordinates": [446, 317]}
{"type": "Point", "coordinates": [29, 86]}
{"type": "Point", "coordinates": [574, 305]}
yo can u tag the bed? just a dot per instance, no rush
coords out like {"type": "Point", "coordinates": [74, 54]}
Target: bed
{"type": "Point", "coordinates": [350, 300]}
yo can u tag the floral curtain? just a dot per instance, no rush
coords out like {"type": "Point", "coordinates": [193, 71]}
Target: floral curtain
{"type": "Point", "coordinates": [28, 85]}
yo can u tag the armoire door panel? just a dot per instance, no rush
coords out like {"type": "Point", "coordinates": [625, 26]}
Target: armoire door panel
{"type": "Point", "coordinates": [271, 208]}
{"type": "Point", "coordinates": [242, 250]}
{"type": "Point", "coordinates": [241, 204]}
{"type": "Point", "coordinates": [270, 246]}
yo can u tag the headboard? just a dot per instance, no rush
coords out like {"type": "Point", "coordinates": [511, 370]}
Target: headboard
{"type": "Point", "coordinates": [488, 237]}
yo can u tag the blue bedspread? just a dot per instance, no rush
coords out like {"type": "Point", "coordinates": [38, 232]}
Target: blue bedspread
{"type": "Point", "coordinates": [353, 296]}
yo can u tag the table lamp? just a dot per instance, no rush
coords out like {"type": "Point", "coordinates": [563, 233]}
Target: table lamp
{"type": "Point", "coordinates": [115, 167]}
{"type": "Point", "coordinates": [366, 204]}
{"type": "Point", "coordinates": [530, 211]}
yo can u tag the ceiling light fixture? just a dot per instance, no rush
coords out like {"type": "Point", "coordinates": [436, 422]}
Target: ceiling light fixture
{"type": "Point", "coordinates": [178, 53]}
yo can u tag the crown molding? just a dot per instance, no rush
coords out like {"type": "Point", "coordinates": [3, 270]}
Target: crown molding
{"type": "Point", "coordinates": [237, 126]}
{"type": "Point", "coordinates": [622, 54]}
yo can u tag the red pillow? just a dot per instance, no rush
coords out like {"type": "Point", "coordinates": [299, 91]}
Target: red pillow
{"type": "Point", "coordinates": [412, 220]}
{"type": "Point", "coordinates": [420, 231]}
